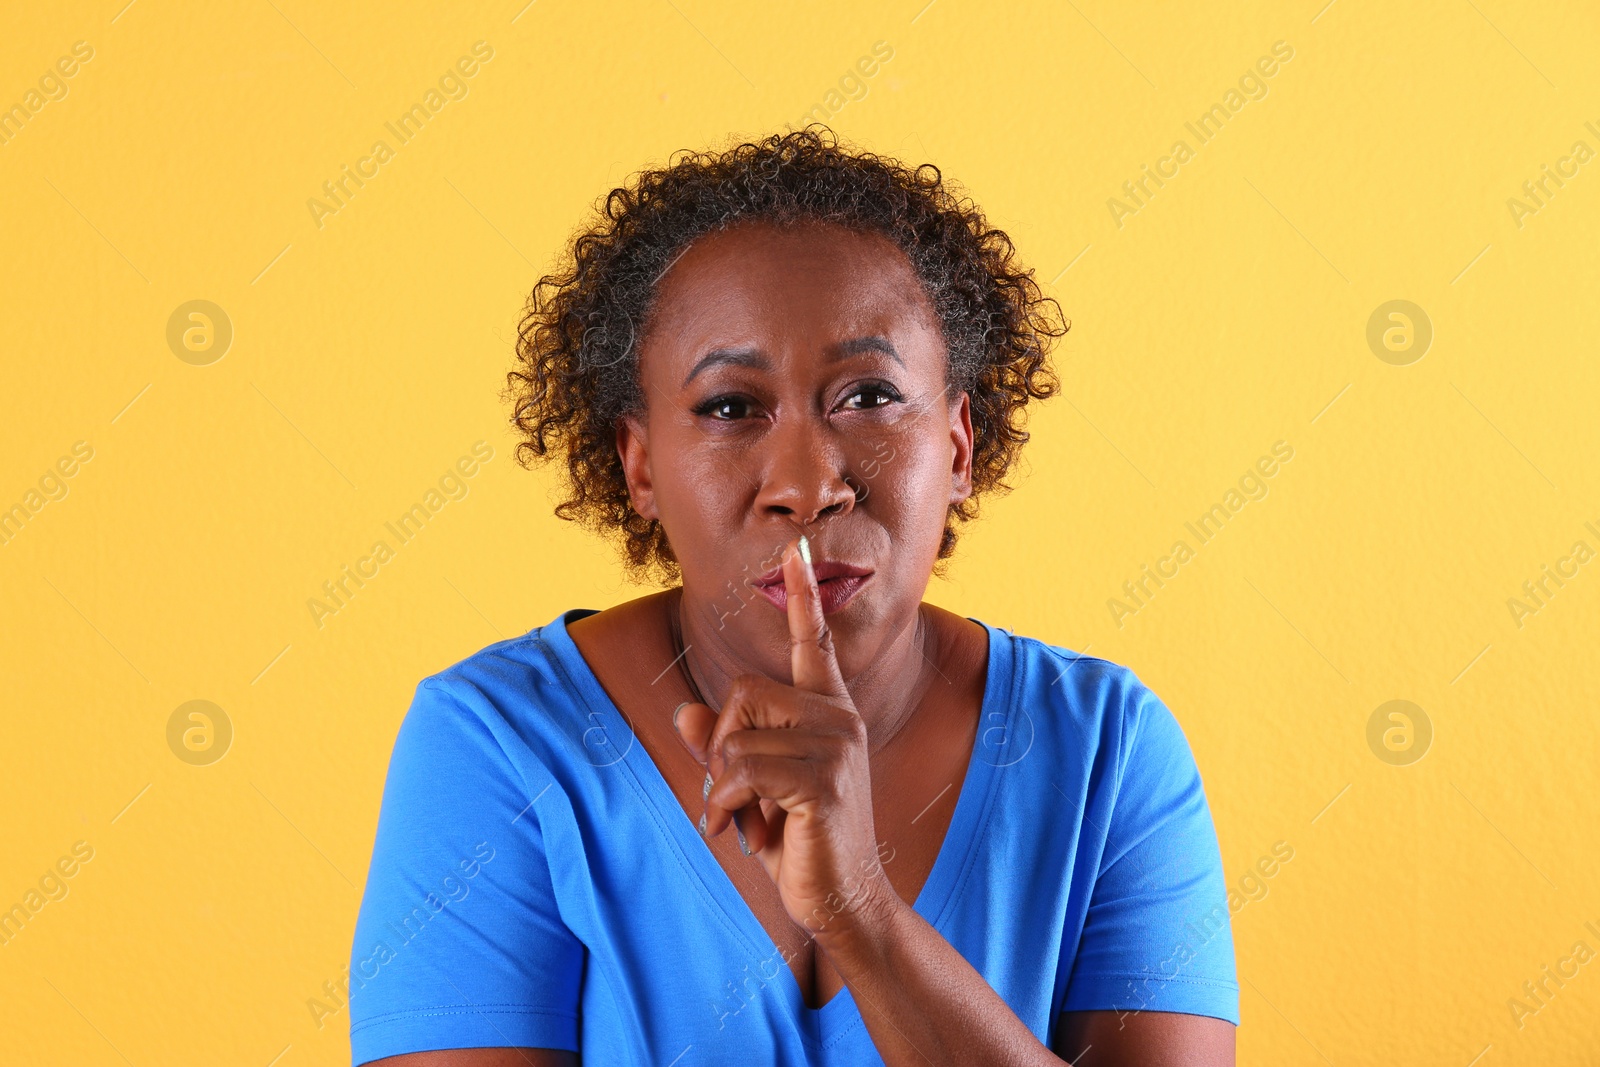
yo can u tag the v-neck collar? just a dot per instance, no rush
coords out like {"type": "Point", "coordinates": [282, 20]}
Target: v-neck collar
{"type": "Point", "coordinates": [821, 1027]}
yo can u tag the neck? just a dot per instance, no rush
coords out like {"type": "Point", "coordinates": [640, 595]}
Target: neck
{"type": "Point", "coordinates": [886, 690]}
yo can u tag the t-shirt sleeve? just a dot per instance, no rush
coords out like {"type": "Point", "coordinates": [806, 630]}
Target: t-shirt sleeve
{"type": "Point", "coordinates": [459, 943]}
{"type": "Point", "coordinates": [1157, 936]}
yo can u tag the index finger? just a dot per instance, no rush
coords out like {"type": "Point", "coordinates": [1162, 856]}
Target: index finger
{"type": "Point", "coordinates": [812, 661]}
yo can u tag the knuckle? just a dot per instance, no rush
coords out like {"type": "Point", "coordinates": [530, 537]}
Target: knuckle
{"type": "Point", "coordinates": [741, 770]}
{"type": "Point", "coordinates": [822, 641]}
{"type": "Point", "coordinates": [852, 729]}
{"type": "Point", "coordinates": [743, 687]}
{"type": "Point", "coordinates": [829, 777]}
{"type": "Point", "coordinates": [734, 745]}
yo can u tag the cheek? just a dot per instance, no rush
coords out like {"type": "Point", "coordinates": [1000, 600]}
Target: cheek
{"type": "Point", "coordinates": [703, 499]}
{"type": "Point", "coordinates": [911, 470]}
{"type": "Point", "coordinates": [908, 495]}
{"type": "Point", "coordinates": [705, 487]}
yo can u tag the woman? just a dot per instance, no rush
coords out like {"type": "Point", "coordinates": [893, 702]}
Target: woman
{"type": "Point", "coordinates": [782, 372]}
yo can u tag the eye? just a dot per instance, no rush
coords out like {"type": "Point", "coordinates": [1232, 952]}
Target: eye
{"type": "Point", "coordinates": [719, 403]}
{"type": "Point", "coordinates": [874, 389]}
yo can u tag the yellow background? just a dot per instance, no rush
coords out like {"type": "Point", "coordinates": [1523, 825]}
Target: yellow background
{"type": "Point", "coordinates": [1229, 313]}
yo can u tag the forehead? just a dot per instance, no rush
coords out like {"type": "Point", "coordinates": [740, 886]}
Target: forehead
{"type": "Point", "coordinates": [806, 279]}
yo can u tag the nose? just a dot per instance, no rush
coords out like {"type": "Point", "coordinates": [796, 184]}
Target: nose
{"type": "Point", "coordinates": [807, 480]}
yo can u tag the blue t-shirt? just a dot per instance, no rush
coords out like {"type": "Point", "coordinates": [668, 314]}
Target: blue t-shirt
{"type": "Point", "coordinates": [535, 882]}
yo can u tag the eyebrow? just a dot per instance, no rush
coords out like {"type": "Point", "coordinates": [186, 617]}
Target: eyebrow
{"type": "Point", "coordinates": [754, 357]}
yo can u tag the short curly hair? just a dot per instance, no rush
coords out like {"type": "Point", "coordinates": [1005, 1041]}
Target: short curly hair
{"type": "Point", "coordinates": [577, 368]}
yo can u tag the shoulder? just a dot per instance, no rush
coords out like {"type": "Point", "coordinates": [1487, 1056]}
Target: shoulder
{"type": "Point", "coordinates": [495, 668]}
{"type": "Point", "coordinates": [511, 702]}
{"type": "Point", "coordinates": [1093, 709]}
{"type": "Point", "coordinates": [1119, 756]}
{"type": "Point", "coordinates": [482, 740]}
{"type": "Point", "coordinates": [1086, 687]}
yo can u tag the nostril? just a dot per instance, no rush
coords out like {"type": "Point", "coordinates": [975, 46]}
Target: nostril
{"type": "Point", "coordinates": [827, 513]}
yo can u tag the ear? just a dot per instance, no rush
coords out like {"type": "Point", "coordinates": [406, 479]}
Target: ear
{"type": "Point", "coordinates": [962, 440]}
{"type": "Point", "coordinates": [633, 446]}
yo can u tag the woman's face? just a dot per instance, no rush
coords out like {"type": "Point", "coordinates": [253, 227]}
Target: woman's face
{"type": "Point", "coordinates": [795, 382]}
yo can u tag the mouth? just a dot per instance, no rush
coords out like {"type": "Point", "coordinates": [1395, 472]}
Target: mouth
{"type": "Point", "coordinates": [837, 584]}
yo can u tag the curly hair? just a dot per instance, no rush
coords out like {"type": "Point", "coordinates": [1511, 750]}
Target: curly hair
{"type": "Point", "coordinates": [577, 368]}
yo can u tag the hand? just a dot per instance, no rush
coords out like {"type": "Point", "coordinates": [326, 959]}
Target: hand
{"type": "Point", "coordinates": [789, 766]}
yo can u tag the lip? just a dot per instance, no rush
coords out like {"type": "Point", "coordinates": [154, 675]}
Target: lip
{"type": "Point", "coordinates": [837, 584]}
{"type": "Point", "coordinates": [824, 569]}
{"type": "Point", "coordinates": [835, 592]}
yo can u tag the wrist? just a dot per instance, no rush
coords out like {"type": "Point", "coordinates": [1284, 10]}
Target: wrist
{"type": "Point", "coordinates": [865, 918]}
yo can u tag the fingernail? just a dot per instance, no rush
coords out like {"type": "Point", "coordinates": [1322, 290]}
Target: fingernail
{"type": "Point", "coordinates": [742, 846]}
{"type": "Point", "coordinates": [702, 824]}
{"type": "Point", "coordinates": [675, 711]}
{"type": "Point", "coordinates": [706, 790]}
{"type": "Point", "coordinates": [805, 549]}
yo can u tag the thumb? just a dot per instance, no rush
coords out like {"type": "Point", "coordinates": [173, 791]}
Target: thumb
{"type": "Point", "coordinates": [695, 723]}
{"type": "Point", "coordinates": [811, 657]}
